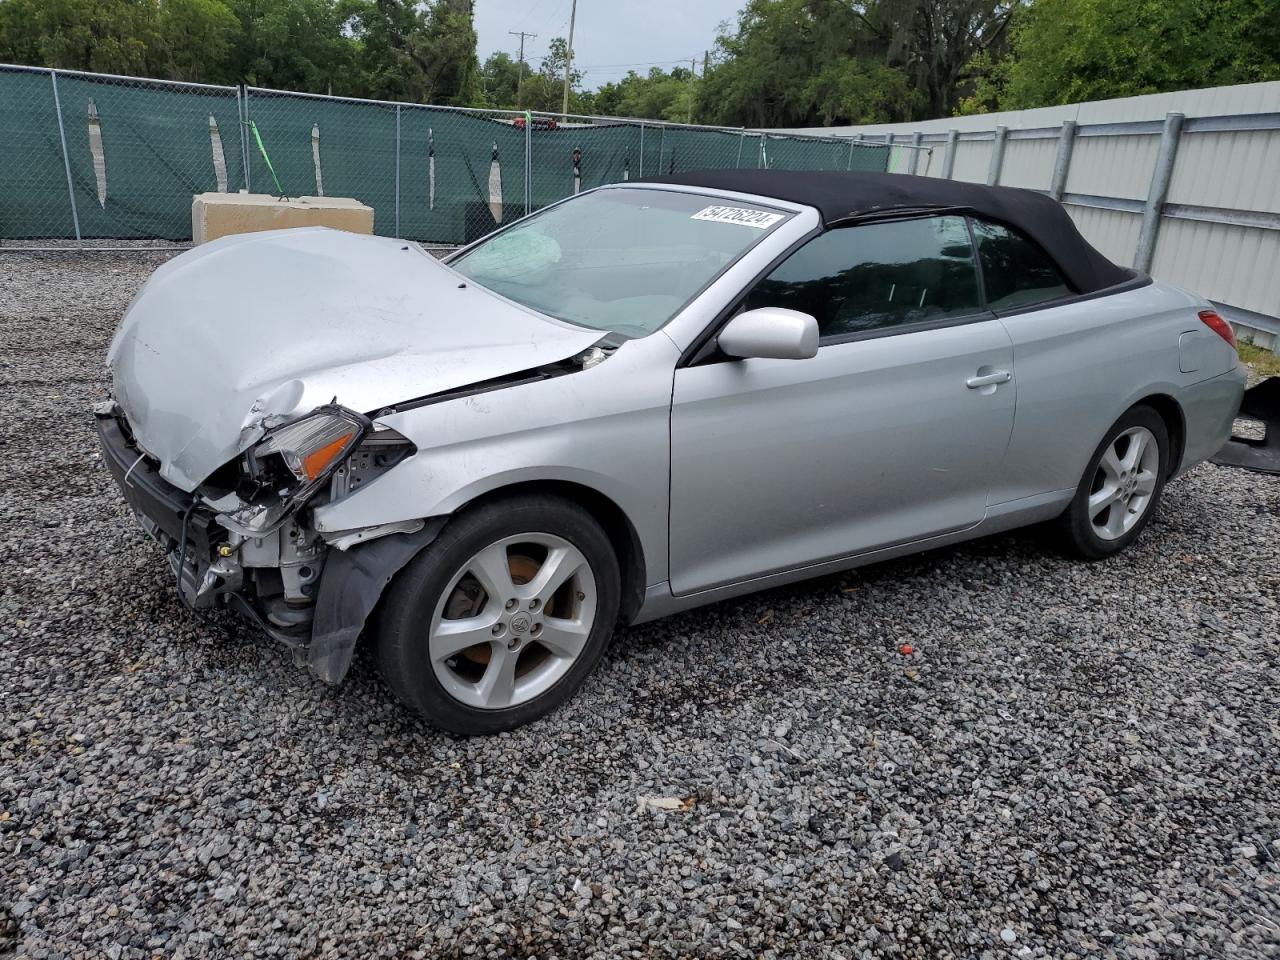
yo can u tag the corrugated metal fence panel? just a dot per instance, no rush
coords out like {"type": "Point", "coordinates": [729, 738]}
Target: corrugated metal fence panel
{"type": "Point", "coordinates": [930, 162]}
{"type": "Point", "coordinates": [1113, 166]}
{"type": "Point", "coordinates": [1028, 163]}
{"type": "Point", "coordinates": [1231, 264]}
{"type": "Point", "coordinates": [1213, 102]}
{"type": "Point", "coordinates": [1239, 171]}
{"type": "Point", "coordinates": [1218, 232]}
{"type": "Point", "coordinates": [1113, 232]}
{"type": "Point", "coordinates": [972, 157]}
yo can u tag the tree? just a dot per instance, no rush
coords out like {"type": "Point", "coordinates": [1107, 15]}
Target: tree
{"type": "Point", "coordinates": [805, 63]}
{"type": "Point", "coordinates": [500, 81]}
{"type": "Point", "coordinates": [1071, 50]}
{"type": "Point", "coordinates": [657, 96]}
{"type": "Point", "coordinates": [544, 89]}
{"type": "Point", "coordinates": [418, 51]}
{"type": "Point", "coordinates": [934, 43]}
{"type": "Point", "coordinates": [292, 45]}
{"type": "Point", "coordinates": [170, 39]}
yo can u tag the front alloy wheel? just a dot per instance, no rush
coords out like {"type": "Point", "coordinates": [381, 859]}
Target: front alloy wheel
{"type": "Point", "coordinates": [502, 618]}
{"type": "Point", "coordinates": [513, 621]}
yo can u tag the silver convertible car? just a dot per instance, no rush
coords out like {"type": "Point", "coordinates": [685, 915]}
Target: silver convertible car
{"type": "Point", "coordinates": [647, 397]}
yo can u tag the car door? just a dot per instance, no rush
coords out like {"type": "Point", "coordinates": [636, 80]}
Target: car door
{"type": "Point", "coordinates": [891, 434]}
{"type": "Point", "coordinates": [1073, 356]}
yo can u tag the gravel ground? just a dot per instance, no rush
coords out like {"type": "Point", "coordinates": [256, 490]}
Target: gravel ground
{"type": "Point", "coordinates": [1074, 761]}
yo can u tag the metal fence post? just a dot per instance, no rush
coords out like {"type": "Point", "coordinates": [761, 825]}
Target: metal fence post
{"type": "Point", "coordinates": [997, 154]}
{"type": "Point", "coordinates": [528, 163]}
{"type": "Point", "coordinates": [397, 170]}
{"type": "Point", "coordinates": [642, 126]}
{"type": "Point", "coordinates": [240, 125]}
{"type": "Point", "coordinates": [888, 160]}
{"type": "Point", "coordinates": [849, 163]}
{"type": "Point", "coordinates": [248, 153]}
{"type": "Point", "coordinates": [1158, 191]}
{"type": "Point", "coordinates": [949, 154]}
{"type": "Point", "coordinates": [662, 143]}
{"type": "Point", "coordinates": [66, 158]}
{"type": "Point", "coordinates": [741, 138]}
{"type": "Point", "coordinates": [1062, 162]}
{"type": "Point", "coordinates": [915, 153]}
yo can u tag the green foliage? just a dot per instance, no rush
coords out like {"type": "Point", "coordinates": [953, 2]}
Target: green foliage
{"type": "Point", "coordinates": [501, 79]}
{"type": "Point", "coordinates": [812, 62]}
{"type": "Point", "coordinates": [1069, 50]}
{"type": "Point", "coordinates": [176, 39]}
{"type": "Point", "coordinates": [784, 63]}
{"type": "Point", "coordinates": [416, 51]}
{"type": "Point", "coordinates": [289, 45]}
{"type": "Point", "coordinates": [659, 95]}
{"type": "Point", "coordinates": [420, 50]}
{"type": "Point", "coordinates": [541, 89]}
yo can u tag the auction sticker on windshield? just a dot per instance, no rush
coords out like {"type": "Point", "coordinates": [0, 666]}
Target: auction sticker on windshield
{"type": "Point", "coordinates": [760, 219]}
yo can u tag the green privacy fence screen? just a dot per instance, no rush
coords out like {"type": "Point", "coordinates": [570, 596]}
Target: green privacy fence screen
{"type": "Point", "coordinates": [90, 156]}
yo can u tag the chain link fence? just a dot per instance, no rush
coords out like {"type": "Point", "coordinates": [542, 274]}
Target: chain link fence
{"type": "Point", "coordinates": [92, 158]}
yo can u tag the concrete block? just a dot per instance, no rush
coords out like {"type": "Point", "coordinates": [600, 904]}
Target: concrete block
{"type": "Point", "coordinates": [216, 215]}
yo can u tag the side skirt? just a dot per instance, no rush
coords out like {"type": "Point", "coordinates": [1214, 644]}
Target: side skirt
{"type": "Point", "coordinates": [659, 601]}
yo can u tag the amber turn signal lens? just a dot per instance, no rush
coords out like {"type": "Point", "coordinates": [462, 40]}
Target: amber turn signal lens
{"type": "Point", "coordinates": [316, 461]}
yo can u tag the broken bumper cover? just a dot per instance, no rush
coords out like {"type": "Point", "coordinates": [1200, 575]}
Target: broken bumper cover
{"type": "Point", "coordinates": [161, 508]}
{"type": "Point", "coordinates": [351, 584]}
{"type": "Point", "coordinates": [1261, 403]}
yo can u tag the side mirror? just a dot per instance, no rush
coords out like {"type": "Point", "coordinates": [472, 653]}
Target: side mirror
{"type": "Point", "coordinates": [773, 333]}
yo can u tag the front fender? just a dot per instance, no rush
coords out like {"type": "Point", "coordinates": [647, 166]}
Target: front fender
{"type": "Point", "coordinates": [350, 587]}
{"type": "Point", "coordinates": [605, 428]}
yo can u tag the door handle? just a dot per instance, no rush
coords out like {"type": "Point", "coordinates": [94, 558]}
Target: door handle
{"type": "Point", "coordinates": [989, 379]}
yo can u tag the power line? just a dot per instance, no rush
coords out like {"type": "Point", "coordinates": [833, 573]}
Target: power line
{"type": "Point", "coordinates": [646, 63]}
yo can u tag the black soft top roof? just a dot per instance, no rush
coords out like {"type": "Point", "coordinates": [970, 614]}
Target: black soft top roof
{"type": "Point", "coordinates": [844, 197]}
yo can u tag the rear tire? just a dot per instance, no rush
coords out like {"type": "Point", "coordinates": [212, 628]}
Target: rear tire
{"type": "Point", "coordinates": [501, 618]}
{"type": "Point", "coordinates": [1121, 488]}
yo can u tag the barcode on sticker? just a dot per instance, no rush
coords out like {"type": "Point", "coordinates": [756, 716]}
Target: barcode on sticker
{"type": "Point", "coordinates": [760, 219]}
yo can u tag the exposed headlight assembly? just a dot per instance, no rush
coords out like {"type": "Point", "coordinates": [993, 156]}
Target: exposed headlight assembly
{"type": "Point", "coordinates": [310, 448]}
{"type": "Point", "coordinates": [293, 461]}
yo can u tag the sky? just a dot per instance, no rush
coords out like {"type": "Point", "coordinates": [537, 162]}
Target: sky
{"type": "Point", "coordinates": [610, 36]}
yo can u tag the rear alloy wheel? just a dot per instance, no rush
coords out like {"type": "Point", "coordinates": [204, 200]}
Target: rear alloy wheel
{"type": "Point", "coordinates": [500, 620]}
{"type": "Point", "coordinates": [1121, 488]}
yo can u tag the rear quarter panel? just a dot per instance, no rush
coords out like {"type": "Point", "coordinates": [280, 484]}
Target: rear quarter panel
{"type": "Point", "coordinates": [1078, 366]}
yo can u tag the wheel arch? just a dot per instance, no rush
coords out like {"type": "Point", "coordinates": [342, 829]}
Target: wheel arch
{"type": "Point", "coordinates": [621, 532]}
{"type": "Point", "coordinates": [1175, 421]}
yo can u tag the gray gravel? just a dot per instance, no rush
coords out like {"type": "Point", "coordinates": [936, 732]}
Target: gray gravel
{"type": "Point", "coordinates": [1074, 761]}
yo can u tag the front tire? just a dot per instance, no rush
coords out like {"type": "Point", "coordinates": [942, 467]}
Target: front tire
{"type": "Point", "coordinates": [501, 619]}
{"type": "Point", "coordinates": [1121, 488]}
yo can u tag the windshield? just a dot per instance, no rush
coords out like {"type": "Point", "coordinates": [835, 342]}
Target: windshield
{"type": "Point", "coordinates": [624, 260]}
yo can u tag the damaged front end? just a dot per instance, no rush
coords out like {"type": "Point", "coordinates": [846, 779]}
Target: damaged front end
{"type": "Point", "coordinates": [244, 537]}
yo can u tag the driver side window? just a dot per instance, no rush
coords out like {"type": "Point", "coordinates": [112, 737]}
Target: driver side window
{"type": "Point", "coordinates": [877, 276]}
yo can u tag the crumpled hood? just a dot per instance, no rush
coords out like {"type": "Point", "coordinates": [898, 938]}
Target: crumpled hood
{"type": "Point", "coordinates": [275, 324]}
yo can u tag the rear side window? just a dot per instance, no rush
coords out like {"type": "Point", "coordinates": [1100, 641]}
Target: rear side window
{"type": "Point", "coordinates": [877, 276]}
{"type": "Point", "coordinates": [1016, 272]}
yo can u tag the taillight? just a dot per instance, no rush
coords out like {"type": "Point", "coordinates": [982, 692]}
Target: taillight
{"type": "Point", "coordinates": [1214, 322]}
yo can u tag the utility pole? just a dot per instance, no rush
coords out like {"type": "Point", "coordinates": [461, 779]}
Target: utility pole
{"type": "Point", "coordinates": [693, 72]}
{"type": "Point", "coordinates": [707, 64]}
{"type": "Point", "coordinates": [568, 63]}
{"type": "Point", "coordinates": [520, 76]}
